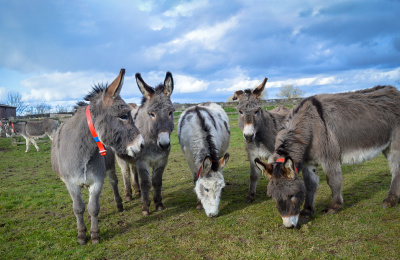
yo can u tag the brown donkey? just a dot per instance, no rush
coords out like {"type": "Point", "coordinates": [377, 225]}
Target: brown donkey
{"type": "Point", "coordinates": [330, 130]}
{"type": "Point", "coordinates": [259, 128]}
{"type": "Point", "coordinates": [75, 149]}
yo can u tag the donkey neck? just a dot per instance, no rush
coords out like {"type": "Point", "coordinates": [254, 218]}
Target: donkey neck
{"type": "Point", "coordinates": [269, 125]}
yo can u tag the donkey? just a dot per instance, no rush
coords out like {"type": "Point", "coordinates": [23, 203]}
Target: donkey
{"type": "Point", "coordinates": [32, 130]}
{"type": "Point", "coordinates": [204, 135]}
{"type": "Point", "coordinates": [155, 120]}
{"type": "Point", "coordinates": [330, 130]}
{"type": "Point", "coordinates": [259, 128]}
{"type": "Point", "coordinates": [75, 155]}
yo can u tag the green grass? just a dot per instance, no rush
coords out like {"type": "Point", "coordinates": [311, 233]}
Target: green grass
{"type": "Point", "coordinates": [36, 218]}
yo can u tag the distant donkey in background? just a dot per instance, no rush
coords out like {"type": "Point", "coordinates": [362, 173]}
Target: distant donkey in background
{"type": "Point", "coordinates": [259, 128]}
{"type": "Point", "coordinates": [331, 130]}
{"type": "Point", "coordinates": [155, 120]}
{"type": "Point", "coordinates": [75, 152]}
{"type": "Point", "coordinates": [32, 130]}
{"type": "Point", "coordinates": [204, 135]}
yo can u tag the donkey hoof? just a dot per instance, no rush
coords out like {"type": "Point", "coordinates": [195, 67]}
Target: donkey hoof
{"type": "Point", "coordinates": [332, 211]}
{"type": "Point", "coordinates": [128, 197]}
{"type": "Point", "coordinates": [388, 203]}
{"type": "Point", "coordinates": [145, 212]}
{"type": "Point", "coordinates": [160, 208]}
{"type": "Point", "coordinates": [137, 194]}
{"type": "Point", "coordinates": [120, 208]}
{"type": "Point", "coordinates": [95, 241]}
{"type": "Point", "coordinates": [250, 198]}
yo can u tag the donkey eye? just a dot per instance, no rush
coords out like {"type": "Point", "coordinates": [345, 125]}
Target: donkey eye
{"type": "Point", "coordinates": [170, 113]}
{"type": "Point", "coordinates": [257, 112]}
{"type": "Point", "coordinates": [153, 115]}
{"type": "Point", "coordinates": [123, 117]}
{"type": "Point", "coordinates": [240, 112]}
{"type": "Point", "coordinates": [206, 190]}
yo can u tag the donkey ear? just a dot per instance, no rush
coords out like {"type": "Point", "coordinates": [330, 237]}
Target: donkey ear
{"type": "Point", "coordinates": [146, 90]}
{"type": "Point", "coordinates": [223, 161]}
{"type": "Point", "coordinates": [168, 84]}
{"type": "Point", "coordinates": [265, 168]}
{"type": "Point", "coordinates": [115, 87]}
{"type": "Point", "coordinates": [206, 166]}
{"type": "Point", "coordinates": [237, 95]}
{"type": "Point", "coordinates": [289, 166]}
{"type": "Point", "coordinates": [258, 90]}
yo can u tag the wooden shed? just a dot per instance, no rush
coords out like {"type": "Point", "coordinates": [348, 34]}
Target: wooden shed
{"type": "Point", "coordinates": [7, 112]}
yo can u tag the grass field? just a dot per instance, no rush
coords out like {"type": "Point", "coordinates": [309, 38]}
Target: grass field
{"type": "Point", "coordinates": [37, 221]}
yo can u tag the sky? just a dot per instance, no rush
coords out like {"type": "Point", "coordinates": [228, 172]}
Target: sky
{"type": "Point", "coordinates": [55, 51]}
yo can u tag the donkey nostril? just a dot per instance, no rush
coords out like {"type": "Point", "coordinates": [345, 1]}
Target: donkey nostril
{"type": "Point", "coordinates": [141, 146]}
{"type": "Point", "coordinates": [164, 146]}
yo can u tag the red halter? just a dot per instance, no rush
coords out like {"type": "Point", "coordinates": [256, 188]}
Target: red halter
{"type": "Point", "coordinates": [12, 126]}
{"type": "Point", "coordinates": [282, 160]}
{"type": "Point", "coordinates": [93, 132]}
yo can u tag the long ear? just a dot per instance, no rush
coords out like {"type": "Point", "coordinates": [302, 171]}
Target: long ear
{"type": "Point", "coordinates": [258, 90]}
{"type": "Point", "coordinates": [265, 168]}
{"type": "Point", "coordinates": [237, 95]}
{"type": "Point", "coordinates": [207, 163]}
{"type": "Point", "coordinates": [146, 90]}
{"type": "Point", "coordinates": [168, 84]}
{"type": "Point", "coordinates": [223, 161]}
{"type": "Point", "coordinates": [115, 87]}
{"type": "Point", "coordinates": [289, 166]}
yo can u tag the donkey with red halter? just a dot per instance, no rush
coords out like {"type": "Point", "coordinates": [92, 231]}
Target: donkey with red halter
{"type": "Point", "coordinates": [82, 152]}
{"type": "Point", "coordinates": [204, 135]}
{"type": "Point", "coordinates": [259, 128]}
{"type": "Point", "coordinates": [32, 130]}
{"type": "Point", "coordinates": [155, 120]}
{"type": "Point", "coordinates": [330, 130]}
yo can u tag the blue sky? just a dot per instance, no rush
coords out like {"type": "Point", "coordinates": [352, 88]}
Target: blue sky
{"type": "Point", "coordinates": [55, 51]}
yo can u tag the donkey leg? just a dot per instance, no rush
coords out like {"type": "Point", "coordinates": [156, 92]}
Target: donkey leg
{"type": "Point", "coordinates": [125, 177]}
{"type": "Point", "coordinates": [145, 185]}
{"type": "Point", "coordinates": [254, 176]}
{"type": "Point", "coordinates": [334, 178]}
{"type": "Point", "coordinates": [93, 209]}
{"type": "Point", "coordinates": [311, 181]}
{"type": "Point", "coordinates": [394, 163]}
{"type": "Point", "coordinates": [135, 181]}
{"type": "Point", "coordinates": [112, 178]}
{"type": "Point", "coordinates": [35, 144]}
{"type": "Point", "coordinates": [27, 142]}
{"type": "Point", "coordinates": [157, 185]}
{"type": "Point", "coordinates": [79, 208]}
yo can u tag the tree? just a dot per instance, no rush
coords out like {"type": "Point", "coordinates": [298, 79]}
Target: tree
{"type": "Point", "coordinates": [63, 109]}
{"type": "Point", "coordinates": [289, 91]}
{"type": "Point", "coordinates": [42, 108]}
{"type": "Point", "coordinates": [15, 99]}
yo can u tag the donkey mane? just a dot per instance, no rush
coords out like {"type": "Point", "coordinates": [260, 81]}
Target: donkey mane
{"type": "Point", "coordinates": [97, 89]}
{"type": "Point", "coordinates": [211, 145]}
{"type": "Point", "coordinates": [159, 88]}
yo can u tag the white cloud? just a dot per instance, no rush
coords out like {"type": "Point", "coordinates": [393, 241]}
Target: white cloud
{"type": "Point", "coordinates": [186, 9]}
{"type": "Point", "coordinates": [187, 84]}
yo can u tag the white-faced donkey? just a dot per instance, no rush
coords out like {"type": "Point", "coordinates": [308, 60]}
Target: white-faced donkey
{"type": "Point", "coordinates": [204, 135]}
{"type": "Point", "coordinates": [259, 128]}
{"type": "Point", "coordinates": [32, 130]}
{"type": "Point", "coordinates": [83, 148]}
{"type": "Point", "coordinates": [155, 120]}
{"type": "Point", "coordinates": [330, 130]}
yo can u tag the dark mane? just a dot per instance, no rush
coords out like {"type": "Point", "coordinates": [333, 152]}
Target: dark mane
{"type": "Point", "coordinates": [248, 91]}
{"type": "Point", "coordinates": [97, 88]}
{"type": "Point", "coordinates": [211, 145]}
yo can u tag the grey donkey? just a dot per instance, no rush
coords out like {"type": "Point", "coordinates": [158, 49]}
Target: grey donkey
{"type": "Point", "coordinates": [155, 120]}
{"type": "Point", "coordinates": [330, 130]}
{"type": "Point", "coordinates": [259, 128]}
{"type": "Point", "coordinates": [75, 152]}
{"type": "Point", "coordinates": [32, 130]}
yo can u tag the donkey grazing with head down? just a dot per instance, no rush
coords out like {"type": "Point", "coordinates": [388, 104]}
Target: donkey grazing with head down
{"type": "Point", "coordinates": [204, 135]}
{"type": "Point", "coordinates": [155, 120]}
{"type": "Point", "coordinates": [32, 130]}
{"type": "Point", "coordinates": [259, 128]}
{"type": "Point", "coordinates": [75, 155]}
{"type": "Point", "coordinates": [330, 130]}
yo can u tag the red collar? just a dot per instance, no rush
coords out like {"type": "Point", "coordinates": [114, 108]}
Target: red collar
{"type": "Point", "coordinates": [93, 132]}
{"type": "Point", "coordinates": [282, 160]}
{"type": "Point", "coordinates": [12, 125]}
{"type": "Point", "coordinates": [198, 174]}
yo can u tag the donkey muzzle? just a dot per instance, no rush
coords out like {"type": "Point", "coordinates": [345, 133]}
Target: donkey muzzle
{"type": "Point", "coordinates": [136, 146]}
{"type": "Point", "coordinates": [291, 221]}
{"type": "Point", "coordinates": [249, 133]}
{"type": "Point", "coordinates": [163, 141]}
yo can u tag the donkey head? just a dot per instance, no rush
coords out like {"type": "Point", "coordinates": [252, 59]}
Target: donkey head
{"type": "Point", "coordinates": [286, 188]}
{"type": "Point", "coordinates": [159, 108]}
{"type": "Point", "coordinates": [112, 119]}
{"type": "Point", "coordinates": [210, 184]}
{"type": "Point", "coordinates": [249, 108]}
